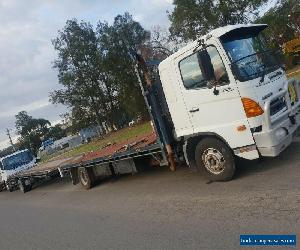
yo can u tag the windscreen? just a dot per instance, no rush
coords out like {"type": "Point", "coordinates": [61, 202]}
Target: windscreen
{"type": "Point", "coordinates": [249, 54]}
{"type": "Point", "coordinates": [17, 160]}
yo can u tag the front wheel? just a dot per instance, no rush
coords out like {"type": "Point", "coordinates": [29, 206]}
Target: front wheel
{"type": "Point", "coordinates": [215, 160]}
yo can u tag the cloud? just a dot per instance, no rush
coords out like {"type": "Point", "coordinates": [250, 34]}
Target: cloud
{"type": "Point", "coordinates": [26, 30]}
{"type": "Point", "coordinates": [28, 107]}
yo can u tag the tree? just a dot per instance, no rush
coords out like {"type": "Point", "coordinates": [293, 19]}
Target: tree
{"type": "Point", "coordinates": [56, 132]}
{"type": "Point", "coordinates": [96, 71]}
{"type": "Point", "coordinates": [79, 70]}
{"type": "Point", "coordinates": [77, 119]}
{"type": "Point", "coordinates": [162, 43]}
{"type": "Point", "coordinates": [283, 21]}
{"type": "Point", "coordinates": [193, 18]}
{"type": "Point", "coordinates": [31, 130]}
{"type": "Point", "coordinates": [118, 43]}
{"type": "Point", "coordinates": [23, 123]}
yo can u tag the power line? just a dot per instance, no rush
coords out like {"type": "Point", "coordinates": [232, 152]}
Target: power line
{"type": "Point", "coordinates": [10, 140]}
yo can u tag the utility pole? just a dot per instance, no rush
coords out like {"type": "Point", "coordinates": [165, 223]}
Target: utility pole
{"type": "Point", "coordinates": [10, 140]}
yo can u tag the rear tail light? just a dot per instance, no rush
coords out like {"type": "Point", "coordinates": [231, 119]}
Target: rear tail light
{"type": "Point", "coordinates": [252, 108]}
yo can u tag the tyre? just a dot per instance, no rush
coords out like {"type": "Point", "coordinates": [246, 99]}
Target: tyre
{"type": "Point", "coordinates": [2, 186]}
{"type": "Point", "coordinates": [24, 188]}
{"type": "Point", "coordinates": [214, 159]}
{"type": "Point", "coordinates": [9, 188]}
{"type": "Point", "coordinates": [86, 177]}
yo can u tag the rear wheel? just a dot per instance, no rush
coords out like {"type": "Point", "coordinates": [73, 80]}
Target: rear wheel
{"type": "Point", "coordinates": [86, 177]}
{"type": "Point", "coordinates": [9, 188]}
{"type": "Point", "coordinates": [2, 186]}
{"type": "Point", "coordinates": [215, 160]}
{"type": "Point", "coordinates": [24, 186]}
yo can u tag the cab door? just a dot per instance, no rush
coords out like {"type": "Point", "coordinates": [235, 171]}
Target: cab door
{"type": "Point", "coordinates": [213, 106]}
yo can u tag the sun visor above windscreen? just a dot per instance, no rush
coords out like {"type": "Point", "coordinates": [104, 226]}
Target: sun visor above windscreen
{"type": "Point", "coordinates": [243, 32]}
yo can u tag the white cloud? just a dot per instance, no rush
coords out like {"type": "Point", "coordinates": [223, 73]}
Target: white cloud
{"type": "Point", "coordinates": [26, 30]}
{"type": "Point", "coordinates": [27, 107]}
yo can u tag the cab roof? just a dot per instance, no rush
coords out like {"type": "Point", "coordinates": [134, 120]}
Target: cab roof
{"type": "Point", "coordinates": [15, 153]}
{"type": "Point", "coordinates": [217, 33]}
{"type": "Point", "coordinates": [226, 29]}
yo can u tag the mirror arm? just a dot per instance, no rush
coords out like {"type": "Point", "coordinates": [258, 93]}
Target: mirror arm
{"type": "Point", "coordinates": [216, 91]}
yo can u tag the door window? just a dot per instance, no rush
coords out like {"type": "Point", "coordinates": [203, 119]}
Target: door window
{"type": "Point", "coordinates": [192, 73]}
{"type": "Point", "coordinates": [219, 69]}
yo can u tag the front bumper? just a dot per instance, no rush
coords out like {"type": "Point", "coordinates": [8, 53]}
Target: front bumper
{"type": "Point", "coordinates": [272, 142]}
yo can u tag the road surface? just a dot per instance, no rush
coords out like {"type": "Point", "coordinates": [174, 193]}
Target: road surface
{"type": "Point", "coordinates": [157, 210]}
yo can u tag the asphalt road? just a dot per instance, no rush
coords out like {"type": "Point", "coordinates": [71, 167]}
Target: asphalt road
{"type": "Point", "coordinates": [157, 210]}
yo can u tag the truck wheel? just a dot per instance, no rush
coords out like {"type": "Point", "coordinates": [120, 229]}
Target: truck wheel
{"type": "Point", "coordinates": [86, 177]}
{"type": "Point", "coordinates": [23, 187]}
{"type": "Point", "coordinates": [214, 159]}
{"type": "Point", "coordinates": [9, 188]}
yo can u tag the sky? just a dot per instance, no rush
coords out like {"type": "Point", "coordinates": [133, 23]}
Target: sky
{"type": "Point", "coordinates": [26, 30]}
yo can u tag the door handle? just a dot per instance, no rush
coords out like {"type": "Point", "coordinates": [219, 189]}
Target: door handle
{"type": "Point", "coordinates": [193, 110]}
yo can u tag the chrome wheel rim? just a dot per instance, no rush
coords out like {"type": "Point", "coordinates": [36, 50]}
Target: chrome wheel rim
{"type": "Point", "coordinates": [83, 177]}
{"type": "Point", "coordinates": [213, 160]}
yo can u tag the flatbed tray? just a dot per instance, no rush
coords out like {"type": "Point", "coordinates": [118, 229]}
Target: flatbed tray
{"type": "Point", "coordinates": [44, 168]}
{"type": "Point", "coordinates": [133, 147]}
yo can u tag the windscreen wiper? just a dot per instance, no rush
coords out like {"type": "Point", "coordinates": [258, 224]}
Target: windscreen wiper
{"type": "Point", "coordinates": [257, 53]}
{"type": "Point", "coordinates": [263, 73]}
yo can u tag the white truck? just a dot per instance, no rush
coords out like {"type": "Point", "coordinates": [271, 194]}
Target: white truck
{"type": "Point", "coordinates": [228, 96]}
{"type": "Point", "coordinates": [221, 97]}
{"type": "Point", "coordinates": [13, 164]}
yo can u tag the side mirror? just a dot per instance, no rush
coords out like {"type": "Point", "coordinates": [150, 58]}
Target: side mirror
{"type": "Point", "coordinates": [213, 84]}
{"type": "Point", "coordinates": [206, 65]}
{"type": "Point", "coordinates": [216, 91]}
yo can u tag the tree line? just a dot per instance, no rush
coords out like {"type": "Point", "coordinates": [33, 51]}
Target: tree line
{"type": "Point", "coordinates": [32, 131]}
{"type": "Point", "coordinates": [96, 70]}
{"type": "Point", "coordinates": [94, 64]}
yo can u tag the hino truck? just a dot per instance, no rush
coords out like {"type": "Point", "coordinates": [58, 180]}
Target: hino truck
{"type": "Point", "coordinates": [222, 96]}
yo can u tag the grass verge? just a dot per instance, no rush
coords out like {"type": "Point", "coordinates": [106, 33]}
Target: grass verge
{"type": "Point", "coordinates": [117, 136]}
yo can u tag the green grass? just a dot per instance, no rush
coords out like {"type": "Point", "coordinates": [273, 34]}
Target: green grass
{"type": "Point", "coordinates": [114, 137]}
{"type": "Point", "coordinates": [296, 76]}
{"type": "Point", "coordinates": [294, 73]}
{"type": "Point", "coordinates": [296, 68]}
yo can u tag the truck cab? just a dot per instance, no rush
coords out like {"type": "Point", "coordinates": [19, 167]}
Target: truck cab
{"type": "Point", "coordinates": [228, 96]}
{"type": "Point", "coordinates": [13, 164]}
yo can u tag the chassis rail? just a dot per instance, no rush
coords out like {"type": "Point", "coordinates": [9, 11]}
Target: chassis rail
{"type": "Point", "coordinates": [128, 154]}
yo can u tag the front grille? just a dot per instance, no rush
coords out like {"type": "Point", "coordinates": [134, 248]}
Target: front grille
{"type": "Point", "coordinates": [277, 105]}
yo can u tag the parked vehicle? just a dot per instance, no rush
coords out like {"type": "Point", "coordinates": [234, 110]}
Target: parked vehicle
{"type": "Point", "coordinates": [221, 97]}
{"type": "Point", "coordinates": [224, 96]}
{"type": "Point", "coordinates": [12, 165]}
{"type": "Point", "coordinates": [228, 96]}
{"type": "Point", "coordinates": [46, 144]}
